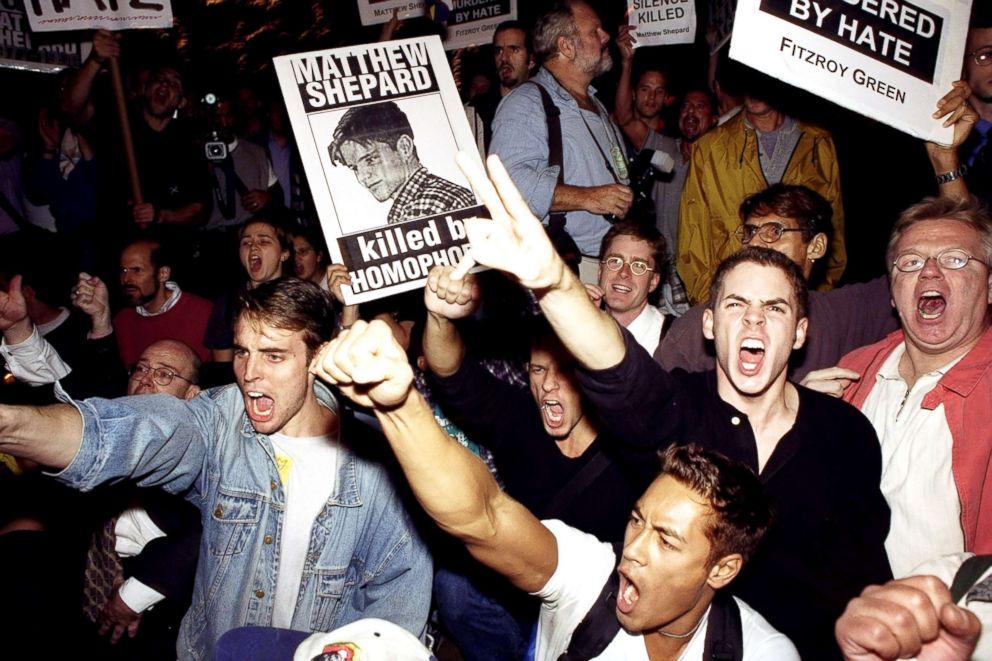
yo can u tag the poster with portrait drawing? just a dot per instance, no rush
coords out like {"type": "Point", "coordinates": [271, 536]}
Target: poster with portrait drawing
{"type": "Point", "coordinates": [378, 126]}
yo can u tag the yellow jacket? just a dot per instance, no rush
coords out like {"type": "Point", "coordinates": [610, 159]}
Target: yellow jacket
{"type": "Point", "coordinates": [723, 171]}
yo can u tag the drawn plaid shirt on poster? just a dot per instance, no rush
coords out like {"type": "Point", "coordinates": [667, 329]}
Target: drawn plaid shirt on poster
{"type": "Point", "coordinates": [425, 194]}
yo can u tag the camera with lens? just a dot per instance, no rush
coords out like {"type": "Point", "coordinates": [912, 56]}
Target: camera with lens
{"type": "Point", "coordinates": [648, 166]}
{"type": "Point", "coordinates": [215, 147]}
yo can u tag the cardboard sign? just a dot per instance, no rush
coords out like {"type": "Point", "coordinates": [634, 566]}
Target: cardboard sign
{"type": "Point", "coordinates": [374, 12]}
{"type": "Point", "coordinates": [21, 49]}
{"type": "Point", "coordinates": [57, 15]}
{"type": "Point", "coordinates": [888, 59]}
{"type": "Point", "coordinates": [662, 22]}
{"type": "Point", "coordinates": [378, 126]}
{"type": "Point", "coordinates": [472, 22]}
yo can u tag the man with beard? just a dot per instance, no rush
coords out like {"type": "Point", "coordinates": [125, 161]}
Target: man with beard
{"type": "Point", "coordinates": [157, 309]}
{"type": "Point", "coordinates": [547, 449]}
{"type": "Point", "coordinates": [514, 58]}
{"type": "Point", "coordinates": [818, 461]}
{"type": "Point", "coordinates": [591, 184]}
{"type": "Point", "coordinates": [302, 525]}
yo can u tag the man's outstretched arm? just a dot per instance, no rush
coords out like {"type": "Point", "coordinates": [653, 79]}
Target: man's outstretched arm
{"type": "Point", "coordinates": [453, 486]}
{"type": "Point", "coordinates": [515, 242]}
{"type": "Point", "coordinates": [48, 435]}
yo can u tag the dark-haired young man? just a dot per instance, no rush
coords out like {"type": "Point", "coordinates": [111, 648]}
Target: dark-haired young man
{"type": "Point", "coordinates": [818, 462]}
{"type": "Point", "coordinates": [795, 221]}
{"type": "Point", "coordinates": [301, 528]}
{"type": "Point", "coordinates": [687, 538]}
{"type": "Point", "coordinates": [376, 143]}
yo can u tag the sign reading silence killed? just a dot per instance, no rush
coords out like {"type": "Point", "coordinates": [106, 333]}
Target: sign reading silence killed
{"type": "Point", "coordinates": [891, 60]}
{"type": "Point", "coordinates": [378, 126]}
{"type": "Point", "coordinates": [662, 22]}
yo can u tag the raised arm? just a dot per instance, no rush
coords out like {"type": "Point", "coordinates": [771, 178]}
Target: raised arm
{"type": "Point", "coordinates": [623, 106]}
{"type": "Point", "coordinates": [955, 111]}
{"type": "Point", "coordinates": [515, 242]}
{"type": "Point", "coordinates": [75, 94]}
{"type": "Point", "coordinates": [447, 299]}
{"type": "Point", "coordinates": [453, 486]}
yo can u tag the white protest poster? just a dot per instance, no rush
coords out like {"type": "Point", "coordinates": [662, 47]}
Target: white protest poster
{"type": "Point", "coordinates": [888, 59]}
{"type": "Point", "coordinates": [472, 22]}
{"type": "Point", "coordinates": [373, 12]}
{"type": "Point", "coordinates": [662, 22]}
{"type": "Point", "coordinates": [52, 15]}
{"type": "Point", "coordinates": [21, 49]}
{"type": "Point", "coordinates": [378, 126]}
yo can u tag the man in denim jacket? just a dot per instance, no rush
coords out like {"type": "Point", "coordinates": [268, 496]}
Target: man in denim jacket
{"type": "Point", "coordinates": [360, 557]}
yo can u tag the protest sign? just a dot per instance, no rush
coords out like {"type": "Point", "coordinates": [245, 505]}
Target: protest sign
{"type": "Point", "coordinates": [377, 126]}
{"type": "Point", "coordinates": [53, 15]}
{"type": "Point", "coordinates": [888, 59]}
{"type": "Point", "coordinates": [373, 12]}
{"type": "Point", "coordinates": [21, 49]}
{"type": "Point", "coordinates": [472, 22]}
{"type": "Point", "coordinates": [662, 22]}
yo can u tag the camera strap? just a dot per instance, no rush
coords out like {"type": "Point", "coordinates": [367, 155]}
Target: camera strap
{"type": "Point", "coordinates": [232, 182]}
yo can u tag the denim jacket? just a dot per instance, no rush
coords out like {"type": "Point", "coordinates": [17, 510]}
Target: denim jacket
{"type": "Point", "coordinates": [365, 557]}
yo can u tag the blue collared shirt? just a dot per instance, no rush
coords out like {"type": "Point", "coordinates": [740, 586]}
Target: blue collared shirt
{"type": "Point", "coordinates": [520, 138]}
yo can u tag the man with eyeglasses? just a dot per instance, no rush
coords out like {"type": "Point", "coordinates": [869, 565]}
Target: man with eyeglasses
{"type": "Point", "coordinates": [927, 388]}
{"type": "Point", "coordinates": [631, 260]}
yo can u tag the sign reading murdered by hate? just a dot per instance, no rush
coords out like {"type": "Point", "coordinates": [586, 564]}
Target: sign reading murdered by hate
{"type": "Point", "coordinates": [473, 22]}
{"type": "Point", "coordinates": [58, 15]}
{"type": "Point", "coordinates": [662, 22]}
{"type": "Point", "coordinates": [891, 60]}
{"type": "Point", "coordinates": [377, 127]}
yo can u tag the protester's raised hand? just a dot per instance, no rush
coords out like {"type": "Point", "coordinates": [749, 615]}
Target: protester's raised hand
{"type": "Point", "coordinates": [956, 111]}
{"type": "Point", "coordinates": [449, 297]}
{"type": "Point", "coordinates": [92, 297]}
{"type": "Point", "coordinates": [13, 306]}
{"type": "Point", "coordinates": [367, 365]}
{"type": "Point", "coordinates": [514, 241]}
{"type": "Point", "coordinates": [625, 42]}
{"type": "Point", "coordinates": [106, 44]}
{"type": "Point", "coordinates": [908, 617]}
{"type": "Point", "coordinates": [830, 380]}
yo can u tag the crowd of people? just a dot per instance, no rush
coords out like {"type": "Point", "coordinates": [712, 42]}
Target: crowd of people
{"type": "Point", "coordinates": [661, 424]}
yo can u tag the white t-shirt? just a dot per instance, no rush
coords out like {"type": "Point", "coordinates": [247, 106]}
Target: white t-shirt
{"type": "Point", "coordinates": [917, 477]}
{"type": "Point", "coordinates": [584, 563]}
{"type": "Point", "coordinates": [945, 568]}
{"type": "Point", "coordinates": [646, 328]}
{"type": "Point", "coordinates": [308, 468]}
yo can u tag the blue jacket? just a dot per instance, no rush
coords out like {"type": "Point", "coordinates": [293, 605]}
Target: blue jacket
{"type": "Point", "coordinates": [365, 557]}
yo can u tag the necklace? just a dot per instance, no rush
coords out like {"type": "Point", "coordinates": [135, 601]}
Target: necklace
{"type": "Point", "coordinates": [688, 633]}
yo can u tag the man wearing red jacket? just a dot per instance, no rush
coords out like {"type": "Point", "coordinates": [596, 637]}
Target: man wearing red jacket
{"type": "Point", "coordinates": [928, 388]}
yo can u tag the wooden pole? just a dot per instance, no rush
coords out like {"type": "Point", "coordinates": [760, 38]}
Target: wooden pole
{"type": "Point", "coordinates": [126, 140]}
